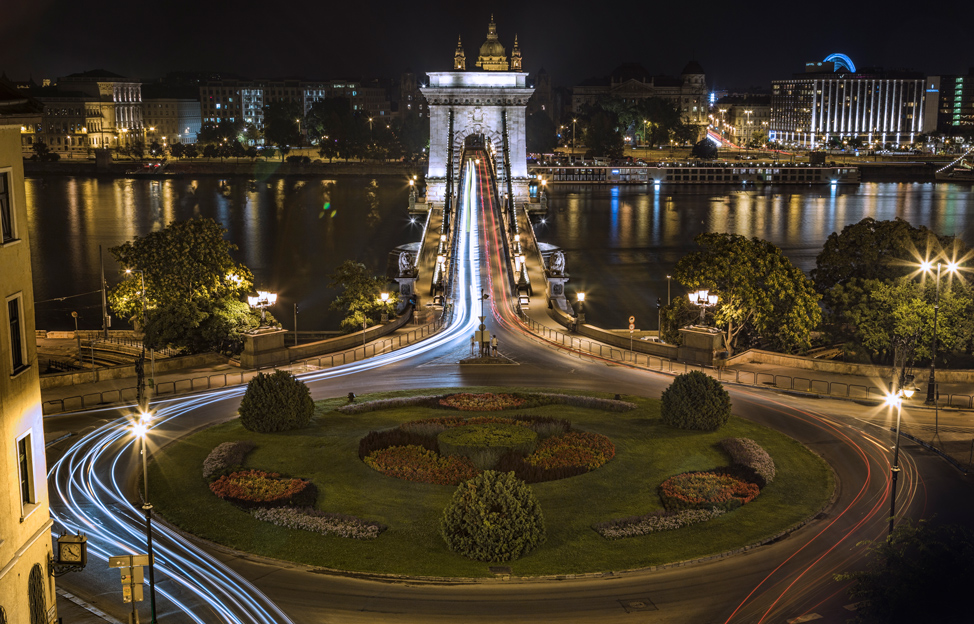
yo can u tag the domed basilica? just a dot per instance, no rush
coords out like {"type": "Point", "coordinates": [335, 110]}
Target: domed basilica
{"type": "Point", "coordinates": [493, 55]}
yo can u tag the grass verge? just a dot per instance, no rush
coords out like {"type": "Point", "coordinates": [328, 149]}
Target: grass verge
{"type": "Point", "coordinates": [647, 452]}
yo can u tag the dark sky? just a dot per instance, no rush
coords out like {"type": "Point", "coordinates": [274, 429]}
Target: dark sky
{"type": "Point", "coordinates": [738, 43]}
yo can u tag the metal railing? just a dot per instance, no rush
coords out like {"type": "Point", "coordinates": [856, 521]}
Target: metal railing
{"type": "Point", "coordinates": [225, 380]}
{"type": "Point", "coordinates": [583, 347]}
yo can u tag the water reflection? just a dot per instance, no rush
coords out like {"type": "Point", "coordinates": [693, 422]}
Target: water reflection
{"type": "Point", "coordinates": [291, 233]}
{"type": "Point", "coordinates": [623, 261]}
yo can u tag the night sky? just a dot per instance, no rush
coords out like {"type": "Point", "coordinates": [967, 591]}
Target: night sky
{"type": "Point", "coordinates": [739, 44]}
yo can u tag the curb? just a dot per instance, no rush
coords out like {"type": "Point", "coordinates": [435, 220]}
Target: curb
{"type": "Point", "coordinates": [87, 607]}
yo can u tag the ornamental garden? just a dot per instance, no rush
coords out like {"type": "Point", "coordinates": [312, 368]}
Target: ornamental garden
{"type": "Point", "coordinates": [448, 484]}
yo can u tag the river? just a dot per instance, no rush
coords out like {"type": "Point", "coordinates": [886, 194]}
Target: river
{"type": "Point", "coordinates": [620, 242]}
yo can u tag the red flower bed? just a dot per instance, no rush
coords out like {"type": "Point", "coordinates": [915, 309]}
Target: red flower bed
{"type": "Point", "coordinates": [487, 402]}
{"type": "Point", "coordinates": [705, 490]}
{"type": "Point", "coordinates": [256, 488]}
{"type": "Point", "coordinates": [415, 463]}
{"type": "Point", "coordinates": [573, 449]}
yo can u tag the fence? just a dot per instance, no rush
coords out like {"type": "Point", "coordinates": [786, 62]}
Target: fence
{"type": "Point", "coordinates": [225, 380]}
{"type": "Point", "coordinates": [583, 347]}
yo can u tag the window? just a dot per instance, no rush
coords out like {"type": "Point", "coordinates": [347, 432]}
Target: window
{"type": "Point", "coordinates": [6, 213]}
{"type": "Point", "coordinates": [16, 334]}
{"type": "Point", "coordinates": [25, 466]}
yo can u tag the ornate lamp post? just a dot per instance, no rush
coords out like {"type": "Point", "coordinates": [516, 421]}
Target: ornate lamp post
{"type": "Point", "coordinates": [263, 300]}
{"type": "Point", "coordinates": [896, 400]}
{"type": "Point", "coordinates": [927, 267]}
{"type": "Point", "coordinates": [140, 429]}
{"type": "Point", "coordinates": [384, 298]}
{"type": "Point", "coordinates": [705, 300]}
{"type": "Point", "coordinates": [581, 307]}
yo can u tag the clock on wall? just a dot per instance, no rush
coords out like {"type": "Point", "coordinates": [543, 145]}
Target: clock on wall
{"type": "Point", "coordinates": [72, 554]}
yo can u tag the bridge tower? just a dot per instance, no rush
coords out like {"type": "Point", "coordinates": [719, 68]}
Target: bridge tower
{"type": "Point", "coordinates": [488, 103]}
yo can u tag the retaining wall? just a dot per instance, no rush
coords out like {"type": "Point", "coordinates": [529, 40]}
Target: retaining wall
{"type": "Point", "coordinates": [944, 375]}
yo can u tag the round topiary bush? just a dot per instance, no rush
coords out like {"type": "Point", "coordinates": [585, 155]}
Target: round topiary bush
{"type": "Point", "coordinates": [493, 517]}
{"type": "Point", "coordinates": [276, 402]}
{"type": "Point", "coordinates": [696, 401]}
{"type": "Point", "coordinates": [484, 444]}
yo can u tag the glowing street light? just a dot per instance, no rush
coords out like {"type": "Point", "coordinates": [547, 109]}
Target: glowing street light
{"type": "Point", "coordinates": [927, 267]}
{"type": "Point", "coordinates": [384, 298]}
{"type": "Point", "coordinates": [581, 306]}
{"type": "Point", "coordinates": [141, 430]}
{"type": "Point", "coordinates": [705, 300]}
{"type": "Point", "coordinates": [897, 401]}
{"type": "Point", "coordinates": [263, 300]}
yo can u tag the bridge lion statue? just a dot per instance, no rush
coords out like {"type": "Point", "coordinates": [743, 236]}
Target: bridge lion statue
{"type": "Point", "coordinates": [558, 263]}
{"type": "Point", "coordinates": [405, 264]}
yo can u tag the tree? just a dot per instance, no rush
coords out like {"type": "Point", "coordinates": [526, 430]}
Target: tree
{"type": "Point", "coordinates": [414, 135]}
{"type": "Point", "coordinates": [218, 132]}
{"type": "Point", "coordinates": [41, 151]}
{"type": "Point", "coordinates": [602, 138]}
{"type": "Point", "coordinates": [695, 401]}
{"type": "Point", "coordinates": [540, 134]}
{"type": "Point", "coordinates": [685, 132]}
{"type": "Point", "coordinates": [191, 151]}
{"type": "Point", "coordinates": [177, 150]}
{"type": "Point", "coordinates": [493, 517]}
{"type": "Point", "coordinates": [210, 150]}
{"type": "Point", "coordinates": [278, 401]}
{"type": "Point", "coordinates": [281, 125]}
{"type": "Point", "coordinates": [137, 150]}
{"type": "Point", "coordinates": [921, 574]}
{"type": "Point", "coordinates": [156, 150]}
{"type": "Point", "coordinates": [193, 287]}
{"type": "Point", "coordinates": [757, 287]}
{"type": "Point", "coordinates": [360, 298]}
{"type": "Point", "coordinates": [332, 121]}
{"type": "Point", "coordinates": [704, 149]}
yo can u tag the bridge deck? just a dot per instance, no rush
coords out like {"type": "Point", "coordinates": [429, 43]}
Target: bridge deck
{"type": "Point", "coordinates": [427, 255]}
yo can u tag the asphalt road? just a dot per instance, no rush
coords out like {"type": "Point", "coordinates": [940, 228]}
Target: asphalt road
{"type": "Point", "coordinates": [777, 582]}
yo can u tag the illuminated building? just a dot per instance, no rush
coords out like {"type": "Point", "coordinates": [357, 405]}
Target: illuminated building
{"type": "Point", "coordinates": [738, 118]}
{"type": "Point", "coordinates": [26, 588]}
{"type": "Point", "coordinates": [834, 100]}
{"type": "Point", "coordinates": [949, 104]}
{"type": "Point", "coordinates": [631, 83]}
{"type": "Point", "coordinates": [171, 113]}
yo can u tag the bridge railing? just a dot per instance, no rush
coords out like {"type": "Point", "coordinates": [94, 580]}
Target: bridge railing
{"type": "Point", "coordinates": [196, 383]}
{"type": "Point", "coordinates": [583, 347]}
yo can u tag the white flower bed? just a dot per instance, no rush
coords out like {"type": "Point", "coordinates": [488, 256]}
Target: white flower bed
{"type": "Point", "coordinates": [653, 522]}
{"type": "Point", "coordinates": [226, 455]}
{"type": "Point", "coordinates": [320, 522]}
{"type": "Point", "coordinates": [749, 453]}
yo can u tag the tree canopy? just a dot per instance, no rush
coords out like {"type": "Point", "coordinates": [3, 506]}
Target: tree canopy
{"type": "Point", "coordinates": [602, 137]}
{"type": "Point", "coordinates": [360, 298]}
{"type": "Point", "coordinates": [758, 289]}
{"type": "Point", "coordinates": [281, 125]}
{"type": "Point", "coordinates": [540, 134]}
{"type": "Point", "coordinates": [193, 287]}
{"type": "Point", "coordinates": [921, 574]}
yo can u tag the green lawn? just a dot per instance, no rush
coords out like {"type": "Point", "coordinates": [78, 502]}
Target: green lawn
{"type": "Point", "coordinates": [647, 452]}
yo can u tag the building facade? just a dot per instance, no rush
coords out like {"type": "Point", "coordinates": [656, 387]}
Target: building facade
{"type": "Point", "coordinates": [90, 110]}
{"type": "Point", "coordinates": [631, 83]}
{"type": "Point", "coordinates": [950, 105]}
{"type": "Point", "coordinates": [171, 120]}
{"type": "Point", "coordinates": [741, 120]}
{"type": "Point", "coordinates": [26, 588]}
{"type": "Point", "coordinates": [832, 100]}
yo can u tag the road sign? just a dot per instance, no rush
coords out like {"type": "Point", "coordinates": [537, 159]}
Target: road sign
{"type": "Point", "coordinates": [132, 592]}
{"type": "Point", "coordinates": [128, 561]}
{"type": "Point", "coordinates": [632, 326]}
{"type": "Point", "coordinates": [133, 576]}
{"type": "Point", "coordinates": [632, 319]}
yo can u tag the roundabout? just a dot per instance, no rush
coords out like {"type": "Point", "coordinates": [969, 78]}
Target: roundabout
{"type": "Point", "coordinates": [621, 480]}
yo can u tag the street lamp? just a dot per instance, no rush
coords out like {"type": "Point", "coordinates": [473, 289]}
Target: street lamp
{"type": "Point", "coordinates": [384, 297]}
{"type": "Point", "coordinates": [897, 400]}
{"type": "Point", "coordinates": [573, 141]}
{"type": "Point", "coordinates": [581, 307]}
{"type": "Point", "coordinates": [668, 278]}
{"type": "Point", "coordinates": [141, 429]}
{"type": "Point", "coordinates": [263, 300]}
{"type": "Point", "coordinates": [705, 300]}
{"type": "Point", "coordinates": [927, 267]}
{"type": "Point", "coordinates": [143, 399]}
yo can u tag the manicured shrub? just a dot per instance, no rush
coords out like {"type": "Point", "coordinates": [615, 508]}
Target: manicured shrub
{"type": "Point", "coordinates": [393, 403]}
{"type": "Point", "coordinates": [276, 402]}
{"type": "Point", "coordinates": [225, 457]}
{"type": "Point", "coordinates": [308, 519]}
{"type": "Point", "coordinates": [705, 490]}
{"type": "Point", "coordinates": [415, 463]}
{"type": "Point", "coordinates": [485, 443]}
{"type": "Point", "coordinates": [486, 402]}
{"type": "Point", "coordinates": [576, 448]}
{"type": "Point", "coordinates": [526, 400]}
{"type": "Point", "coordinates": [256, 488]}
{"type": "Point", "coordinates": [655, 521]}
{"type": "Point", "coordinates": [696, 401]}
{"type": "Point", "coordinates": [748, 453]}
{"type": "Point", "coordinates": [380, 440]}
{"type": "Point", "coordinates": [529, 473]}
{"type": "Point", "coordinates": [493, 517]}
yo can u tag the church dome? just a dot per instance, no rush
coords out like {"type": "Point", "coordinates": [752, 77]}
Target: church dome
{"type": "Point", "coordinates": [493, 56]}
{"type": "Point", "coordinates": [492, 47]}
{"type": "Point", "coordinates": [692, 67]}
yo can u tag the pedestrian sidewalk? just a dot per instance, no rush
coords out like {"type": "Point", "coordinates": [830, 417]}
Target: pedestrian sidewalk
{"type": "Point", "coordinates": [73, 610]}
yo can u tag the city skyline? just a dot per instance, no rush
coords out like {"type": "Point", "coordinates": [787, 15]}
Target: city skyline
{"type": "Point", "coordinates": [738, 48]}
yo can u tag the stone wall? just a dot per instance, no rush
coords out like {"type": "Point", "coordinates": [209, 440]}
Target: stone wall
{"type": "Point", "coordinates": [59, 380]}
{"type": "Point", "coordinates": [840, 368]}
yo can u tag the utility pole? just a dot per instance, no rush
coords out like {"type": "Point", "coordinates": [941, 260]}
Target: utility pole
{"type": "Point", "coordinates": [106, 322]}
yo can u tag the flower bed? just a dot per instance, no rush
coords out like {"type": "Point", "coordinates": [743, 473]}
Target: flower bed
{"type": "Point", "coordinates": [256, 488]}
{"type": "Point", "coordinates": [308, 519]}
{"type": "Point", "coordinates": [655, 521]}
{"type": "Point", "coordinates": [749, 454]}
{"type": "Point", "coordinates": [415, 463]}
{"type": "Point", "coordinates": [704, 490]}
{"type": "Point", "coordinates": [487, 402]}
{"type": "Point", "coordinates": [526, 399]}
{"type": "Point", "coordinates": [576, 448]}
{"type": "Point", "coordinates": [225, 457]}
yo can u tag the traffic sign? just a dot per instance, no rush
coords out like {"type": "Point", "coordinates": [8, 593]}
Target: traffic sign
{"type": "Point", "coordinates": [632, 326]}
{"type": "Point", "coordinates": [632, 319]}
{"type": "Point", "coordinates": [128, 561]}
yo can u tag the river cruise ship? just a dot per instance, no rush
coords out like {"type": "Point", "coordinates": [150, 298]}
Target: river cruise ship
{"type": "Point", "coordinates": [692, 173]}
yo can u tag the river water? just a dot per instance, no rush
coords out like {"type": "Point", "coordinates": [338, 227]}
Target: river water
{"type": "Point", "coordinates": [620, 242]}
